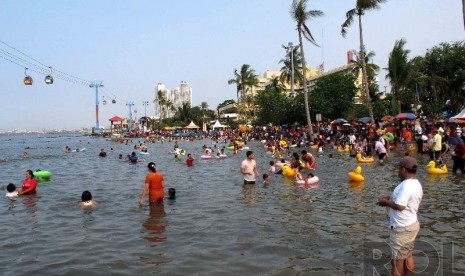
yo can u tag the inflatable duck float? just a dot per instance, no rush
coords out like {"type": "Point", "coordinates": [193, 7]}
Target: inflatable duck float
{"type": "Point", "coordinates": [356, 175]}
{"type": "Point", "coordinates": [432, 169]}
{"type": "Point", "coordinates": [362, 159]}
{"type": "Point", "coordinates": [288, 171]}
{"type": "Point", "coordinates": [346, 148]}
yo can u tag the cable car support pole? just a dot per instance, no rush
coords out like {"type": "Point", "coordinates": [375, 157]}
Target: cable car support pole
{"type": "Point", "coordinates": [96, 85]}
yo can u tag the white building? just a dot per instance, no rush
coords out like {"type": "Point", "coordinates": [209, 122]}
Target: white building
{"type": "Point", "coordinates": [177, 96]}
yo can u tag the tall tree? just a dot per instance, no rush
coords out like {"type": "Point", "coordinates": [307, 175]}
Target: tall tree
{"type": "Point", "coordinates": [300, 15]}
{"type": "Point", "coordinates": [165, 104]}
{"type": "Point", "coordinates": [399, 70]}
{"type": "Point", "coordinates": [183, 113]}
{"type": "Point", "coordinates": [360, 8]}
{"type": "Point", "coordinates": [273, 105]}
{"type": "Point", "coordinates": [244, 80]}
{"type": "Point", "coordinates": [286, 70]}
{"type": "Point", "coordinates": [372, 70]}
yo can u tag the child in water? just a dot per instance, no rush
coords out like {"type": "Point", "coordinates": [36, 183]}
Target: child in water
{"type": "Point", "coordinates": [86, 200]}
{"type": "Point", "coordinates": [272, 168]}
{"type": "Point", "coordinates": [11, 192]}
{"type": "Point", "coordinates": [266, 179]}
{"type": "Point", "coordinates": [172, 193]}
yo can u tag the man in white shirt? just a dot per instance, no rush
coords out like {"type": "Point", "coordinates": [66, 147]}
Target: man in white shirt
{"type": "Point", "coordinates": [249, 168]}
{"type": "Point", "coordinates": [381, 150]}
{"type": "Point", "coordinates": [403, 220]}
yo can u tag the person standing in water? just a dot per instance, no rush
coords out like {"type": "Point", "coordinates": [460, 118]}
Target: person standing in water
{"type": "Point", "coordinates": [249, 168]}
{"type": "Point", "coordinates": [29, 184]}
{"type": "Point", "coordinates": [403, 220]}
{"type": "Point", "coordinates": [154, 186]}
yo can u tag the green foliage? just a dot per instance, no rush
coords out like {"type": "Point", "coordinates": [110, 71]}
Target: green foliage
{"type": "Point", "coordinates": [382, 107]}
{"type": "Point", "coordinates": [356, 111]}
{"type": "Point", "coordinates": [332, 95]}
{"type": "Point", "coordinates": [225, 103]}
{"type": "Point", "coordinates": [444, 68]}
{"type": "Point", "coordinates": [273, 106]}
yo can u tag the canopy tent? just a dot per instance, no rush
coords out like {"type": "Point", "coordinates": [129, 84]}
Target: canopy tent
{"type": "Point", "coordinates": [218, 125]}
{"type": "Point", "coordinates": [461, 115]}
{"type": "Point", "coordinates": [192, 126]}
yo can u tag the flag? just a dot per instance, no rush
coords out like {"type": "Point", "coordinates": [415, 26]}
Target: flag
{"type": "Point", "coordinates": [418, 89]}
{"type": "Point", "coordinates": [322, 67]}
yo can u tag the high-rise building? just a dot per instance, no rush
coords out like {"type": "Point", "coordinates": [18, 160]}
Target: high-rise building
{"type": "Point", "coordinates": [176, 97]}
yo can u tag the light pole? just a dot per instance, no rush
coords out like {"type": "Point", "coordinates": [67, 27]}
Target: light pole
{"type": "Point", "coordinates": [290, 48]}
{"type": "Point", "coordinates": [145, 104]}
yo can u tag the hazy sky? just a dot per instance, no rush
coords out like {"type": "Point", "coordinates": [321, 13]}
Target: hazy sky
{"type": "Point", "coordinates": [133, 45]}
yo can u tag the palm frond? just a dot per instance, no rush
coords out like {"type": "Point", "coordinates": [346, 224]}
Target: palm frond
{"type": "Point", "coordinates": [350, 15]}
{"type": "Point", "coordinates": [308, 35]}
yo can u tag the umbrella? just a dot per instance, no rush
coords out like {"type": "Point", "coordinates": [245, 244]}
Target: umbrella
{"type": "Point", "coordinates": [456, 121]}
{"type": "Point", "coordinates": [339, 121]}
{"type": "Point", "coordinates": [388, 118]}
{"type": "Point", "coordinates": [364, 120]}
{"type": "Point", "coordinates": [406, 116]}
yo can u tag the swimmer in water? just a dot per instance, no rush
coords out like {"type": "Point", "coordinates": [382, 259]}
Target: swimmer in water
{"type": "Point", "coordinates": [86, 200]}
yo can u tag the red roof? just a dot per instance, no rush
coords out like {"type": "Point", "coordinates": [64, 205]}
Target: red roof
{"type": "Point", "coordinates": [115, 119]}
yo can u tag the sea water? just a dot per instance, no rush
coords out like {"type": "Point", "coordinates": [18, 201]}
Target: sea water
{"type": "Point", "coordinates": [216, 225]}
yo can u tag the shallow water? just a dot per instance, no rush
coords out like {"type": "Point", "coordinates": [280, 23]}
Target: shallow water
{"type": "Point", "coordinates": [216, 225]}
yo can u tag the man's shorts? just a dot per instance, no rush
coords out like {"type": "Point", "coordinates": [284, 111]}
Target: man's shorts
{"type": "Point", "coordinates": [402, 239]}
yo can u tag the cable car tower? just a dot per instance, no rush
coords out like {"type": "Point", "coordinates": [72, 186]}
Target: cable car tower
{"type": "Point", "coordinates": [96, 85]}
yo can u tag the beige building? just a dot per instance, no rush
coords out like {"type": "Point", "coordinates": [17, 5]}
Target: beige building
{"type": "Point", "coordinates": [266, 80]}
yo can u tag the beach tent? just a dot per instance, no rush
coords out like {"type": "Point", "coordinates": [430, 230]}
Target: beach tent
{"type": "Point", "coordinates": [192, 126]}
{"type": "Point", "coordinates": [461, 115]}
{"type": "Point", "coordinates": [218, 125]}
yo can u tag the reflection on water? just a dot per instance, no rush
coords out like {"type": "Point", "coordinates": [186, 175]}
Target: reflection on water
{"type": "Point", "coordinates": [155, 224]}
{"type": "Point", "coordinates": [216, 226]}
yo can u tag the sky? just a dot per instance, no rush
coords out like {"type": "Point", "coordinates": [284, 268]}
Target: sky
{"type": "Point", "coordinates": [132, 45]}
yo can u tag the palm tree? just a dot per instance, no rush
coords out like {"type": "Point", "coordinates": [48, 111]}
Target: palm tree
{"type": "Point", "coordinates": [399, 70]}
{"type": "Point", "coordinates": [244, 79]}
{"type": "Point", "coordinates": [184, 113]}
{"type": "Point", "coordinates": [300, 15]}
{"type": "Point", "coordinates": [361, 7]}
{"type": "Point", "coordinates": [286, 70]}
{"type": "Point", "coordinates": [372, 70]}
{"type": "Point", "coordinates": [164, 103]}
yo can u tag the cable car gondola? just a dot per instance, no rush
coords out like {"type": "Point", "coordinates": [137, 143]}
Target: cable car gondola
{"type": "Point", "coordinates": [49, 78]}
{"type": "Point", "coordinates": [27, 79]}
{"type": "Point", "coordinates": [113, 101]}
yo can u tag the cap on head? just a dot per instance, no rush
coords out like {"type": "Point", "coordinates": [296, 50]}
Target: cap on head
{"type": "Point", "coordinates": [408, 163]}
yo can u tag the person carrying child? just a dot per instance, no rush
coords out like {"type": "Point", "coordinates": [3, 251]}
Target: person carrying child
{"type": "Point", "coordinates": [29, 184]}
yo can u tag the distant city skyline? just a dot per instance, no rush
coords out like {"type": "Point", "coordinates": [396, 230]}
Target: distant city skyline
{"type": "Point", "coordinates": [132, 45]}
{"type": "Point", "coordinates": [177, 96]}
